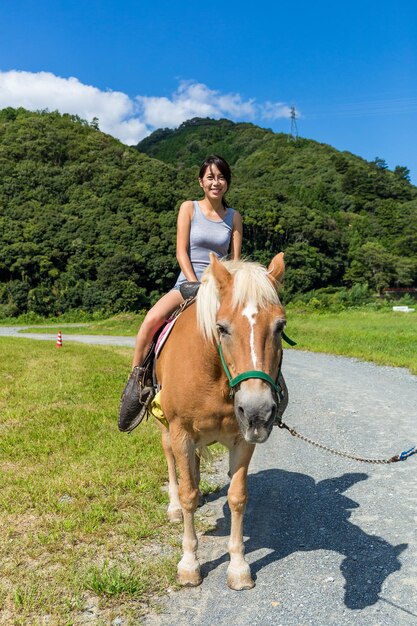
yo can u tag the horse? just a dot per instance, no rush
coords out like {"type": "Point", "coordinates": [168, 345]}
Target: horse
{"type": "Point", "coordinates": [218, 374]}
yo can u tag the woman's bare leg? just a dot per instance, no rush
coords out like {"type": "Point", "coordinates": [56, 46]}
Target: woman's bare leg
{"type": "Point", "coordinates": [154, 319]}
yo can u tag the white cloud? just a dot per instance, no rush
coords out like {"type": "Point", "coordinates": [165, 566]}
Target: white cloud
{"type": "Point", "coordinates": [123, 117]}
{"type": "Point", "coordinates": [192, 100]}
{"type": "Point", "coordinates": [43, 90]}
{"type": "Point", "coordinates": [275, 110]}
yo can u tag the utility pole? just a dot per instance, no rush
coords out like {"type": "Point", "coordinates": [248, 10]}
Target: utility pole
{"type": "Point", "coordinates": [293, 136]}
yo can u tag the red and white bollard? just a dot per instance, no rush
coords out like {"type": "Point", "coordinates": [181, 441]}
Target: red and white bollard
{"type": "Point", "coordinates": [59, 340]}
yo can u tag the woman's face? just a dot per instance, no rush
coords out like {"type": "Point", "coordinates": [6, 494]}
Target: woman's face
{"type": "Point", "coordinates": [213, 183]}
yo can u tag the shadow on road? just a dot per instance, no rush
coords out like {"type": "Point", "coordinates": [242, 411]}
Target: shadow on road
{"type": "Point", "coordinates": [290, 512]}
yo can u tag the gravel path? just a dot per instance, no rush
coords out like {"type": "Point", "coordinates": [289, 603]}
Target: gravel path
{"type": "Point", "coordinates": [330, 541]}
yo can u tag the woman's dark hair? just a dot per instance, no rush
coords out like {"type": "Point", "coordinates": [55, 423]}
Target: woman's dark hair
{"type": "Point", "coordinates": [222, 165]}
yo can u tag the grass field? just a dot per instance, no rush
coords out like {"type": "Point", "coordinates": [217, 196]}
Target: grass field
{"type": "Point", "coordinates": [384, 337]}
{"type": "Point", "coordinates": [83, 532]}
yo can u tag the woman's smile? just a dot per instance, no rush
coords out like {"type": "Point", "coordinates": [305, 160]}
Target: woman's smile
{"type": "Point", "coordinates": [213, 182]}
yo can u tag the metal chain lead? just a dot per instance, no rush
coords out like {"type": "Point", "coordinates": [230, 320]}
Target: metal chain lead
{"type": "Point", "coordinates": [398, 457]}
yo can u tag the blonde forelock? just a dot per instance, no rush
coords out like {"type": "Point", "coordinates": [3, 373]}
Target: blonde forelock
{"type": "Point", "coordinates": [250, 284]}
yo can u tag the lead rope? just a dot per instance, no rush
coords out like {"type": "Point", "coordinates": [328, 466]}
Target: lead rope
{"type": "Point", "coordinates": [394, 459]}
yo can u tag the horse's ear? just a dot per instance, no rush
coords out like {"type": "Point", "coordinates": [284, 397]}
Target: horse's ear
{"type": "Point", "coordinates": [222, 277]}
{"type": "Point", "coordinates": [276, 268]}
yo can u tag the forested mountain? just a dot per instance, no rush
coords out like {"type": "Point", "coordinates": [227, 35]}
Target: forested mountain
{"type": "Point", "coordinates": [89, 223]}
{"type": "Point", "coordinates": [340, 219]}
{"type": "Point", "coordinates": [85, 221]}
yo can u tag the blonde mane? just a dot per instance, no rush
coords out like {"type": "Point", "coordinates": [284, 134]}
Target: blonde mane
{"type": "Point", "coordinates": [251, 283]}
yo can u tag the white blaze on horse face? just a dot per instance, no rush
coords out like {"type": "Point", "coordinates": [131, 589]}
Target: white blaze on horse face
{"type": "Point", "coordinates": [250, 312]}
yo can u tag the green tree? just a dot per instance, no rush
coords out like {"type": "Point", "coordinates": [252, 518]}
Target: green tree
{"type": "Point", "coordinates": [371, 263]}
{"type": "Point", "coordinates": [87, 222]}
{"type": "Point", "coordinates": [402, 172]}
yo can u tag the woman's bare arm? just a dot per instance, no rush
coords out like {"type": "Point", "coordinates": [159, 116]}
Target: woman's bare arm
{"type": "Point", "coordinates": [183, 239]}
{"type": "Point", "coordinates": [236, 239]}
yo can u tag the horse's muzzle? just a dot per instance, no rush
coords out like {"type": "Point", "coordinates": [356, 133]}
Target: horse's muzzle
{"type": "Point", "coordinates": [255, 411]}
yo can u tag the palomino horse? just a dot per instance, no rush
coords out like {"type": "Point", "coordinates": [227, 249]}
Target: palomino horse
{"type": "Point", "coordinates": [218, 373]}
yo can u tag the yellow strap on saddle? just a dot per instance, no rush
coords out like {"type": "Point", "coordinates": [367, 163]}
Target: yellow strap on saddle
{"type": "Point", "coordinates": [156, 410]}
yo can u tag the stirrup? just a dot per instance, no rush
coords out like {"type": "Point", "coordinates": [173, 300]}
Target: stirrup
{"type": "Point", "coordinates": [136, 397]}
{"type": "Point", "coordinates": [147, 395]}
{"type": "Point", "coordinates": [139, 392]}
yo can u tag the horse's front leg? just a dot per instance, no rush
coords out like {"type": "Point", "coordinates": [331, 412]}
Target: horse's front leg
{"type": "Point", "coordinates": [238, 572]}
{"type": "Point", "coordinates": [197, 475]}
{"type": "Point", "coordinates": [174, 511]}
{"type": "Point", "coordinates": [184, 451]}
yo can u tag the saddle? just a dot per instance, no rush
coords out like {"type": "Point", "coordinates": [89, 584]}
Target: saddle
{"type": "Point", "coordinates": [189, 289]}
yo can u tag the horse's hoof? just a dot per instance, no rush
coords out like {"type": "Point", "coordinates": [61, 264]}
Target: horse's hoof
{"type": "Point", "coordinates": [240, 585]}
{"type": "Point", "coordinates": [189, 583]}
{"type": "Point", "coordinates": [189, 576]}
{"type": "Point", "coordinates": [175, 515]}
{"type": "Point", "coordinates": [239, 580]}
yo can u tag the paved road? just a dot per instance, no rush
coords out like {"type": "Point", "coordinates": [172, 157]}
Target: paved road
{"type": "Point", "coordinates": [107, 340]}
{"type": "Point", "coordinates": [330, 541]}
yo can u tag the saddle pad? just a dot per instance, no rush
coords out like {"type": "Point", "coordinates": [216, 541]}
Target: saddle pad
{"type": "Point", "coordinates": [163, 336]}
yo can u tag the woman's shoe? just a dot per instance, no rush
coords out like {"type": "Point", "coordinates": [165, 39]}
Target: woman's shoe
{"type": "Point", "coordinates": [134, 401]}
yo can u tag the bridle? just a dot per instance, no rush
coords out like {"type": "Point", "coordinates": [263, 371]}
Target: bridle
{"type": "Point", "coordinates": [233, 382]}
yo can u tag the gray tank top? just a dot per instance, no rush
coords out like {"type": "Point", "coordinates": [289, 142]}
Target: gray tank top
{"type": "Point", "coordinates": [207, 236]}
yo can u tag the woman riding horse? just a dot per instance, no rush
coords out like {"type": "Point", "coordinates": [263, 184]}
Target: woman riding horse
{"type": "Point", "coordinates": [204, 226]}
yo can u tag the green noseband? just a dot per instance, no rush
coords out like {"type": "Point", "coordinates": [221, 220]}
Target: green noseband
{"type": "Point", "coordinates": [252, 373]}
{"type": "Point", "coordinates": [249, 374]}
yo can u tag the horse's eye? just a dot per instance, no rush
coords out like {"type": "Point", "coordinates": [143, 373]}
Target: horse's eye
{"type": "Point", "coordinates": [279, 326]}
{"type": "Point", "coordinates": [223, 329]}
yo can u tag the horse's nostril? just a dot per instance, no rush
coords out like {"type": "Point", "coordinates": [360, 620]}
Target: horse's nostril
{"type": "Point", "coordinates": [251, 417]}
{"type": "Point", "coordinates": [245, 416]}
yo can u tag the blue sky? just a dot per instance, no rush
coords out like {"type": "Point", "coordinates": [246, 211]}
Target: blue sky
{"type": "Point", "coordinates": [350, 69]}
